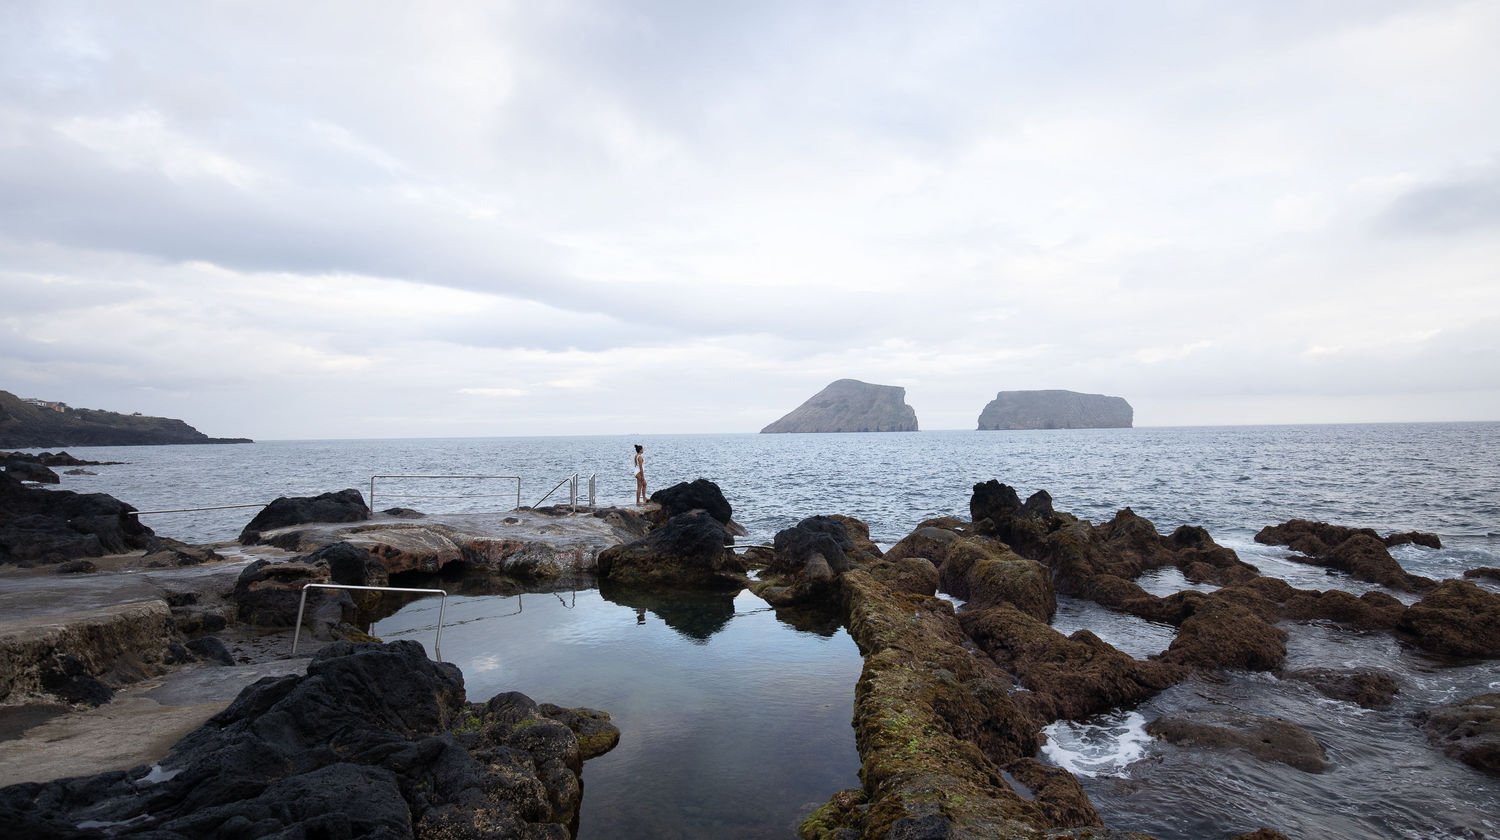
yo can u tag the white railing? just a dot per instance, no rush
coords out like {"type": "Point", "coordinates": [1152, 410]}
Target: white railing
{"type": "Point", "coordinates": [572, 482]}
{"type": "Point", "coordinates": [515, 478]}
{"type": "Point", "coordinates": [437, 644]}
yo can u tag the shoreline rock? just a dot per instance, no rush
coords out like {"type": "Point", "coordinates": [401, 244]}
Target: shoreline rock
{"type": "Point", "coordinates": [372, 741]}
{"type": "Point", "coordinates": [1360, 552]}
{"type": "Point", "coordinates": [39, 527]}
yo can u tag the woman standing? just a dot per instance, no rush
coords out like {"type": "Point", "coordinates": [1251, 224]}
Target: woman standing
{"type": "Point", "coordinates": [640, 475]}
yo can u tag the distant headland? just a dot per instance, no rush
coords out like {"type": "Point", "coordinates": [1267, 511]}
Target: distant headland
{"type": "Point", "coordinates": [1055, 410]}
{"type": "Point", "coordinates": [849, 405]}
{"type": "Point", "coordinates": [33, 423]}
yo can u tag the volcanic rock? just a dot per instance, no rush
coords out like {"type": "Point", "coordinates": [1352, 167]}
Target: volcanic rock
{"type": "Point", "coordinates": [691, 550]}
{"type": "Point", "coordinates": [700, 494]}
{"type": "Point", "coordinates": [343, 506]}
{"type": "Point", "coordinates": [934, 725]}
{"type": "Point", "coordinates": [1227, 630]}
{"type": "Point", "coordinates": [849, 405]}
{"type": "Point", "coordinates": [50, 526]}
{"type": "Point", "coordinates": [26, 470]}
{"type": "Point", "coordinates": [807, 559]}
{"type": "Point", "coordinates": [927, 542]}
{"type": "Point", "coordinates": [374, 741]}
{"type": "Point", "coordinates": [1055, 410]}
{"type": "Point", "coordinates": [268, 594]}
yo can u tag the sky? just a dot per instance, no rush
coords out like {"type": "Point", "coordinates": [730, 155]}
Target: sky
{"type": "Point", "coordinates": [392, 219]}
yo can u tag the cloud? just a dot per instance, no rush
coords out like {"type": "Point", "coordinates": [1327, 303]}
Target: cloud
{"type": "Point", "coordinates": [1468, 203]}
{"type": "Point", "coordinates": [494, 392]}
{"type": "Point", "coordinates": [660, 215]}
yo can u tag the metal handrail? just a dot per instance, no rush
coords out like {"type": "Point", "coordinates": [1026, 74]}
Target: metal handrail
{"type": "Point", "coordinates": [515, 478]}
{"type": "Point", "coordinates": [740, 546]}
{"type": "Point", "coordinates": [188, 510]}
{"type": "Point", "coordinates": [437, 644]}
{"type": "Point", "coordinates": [573, 478]}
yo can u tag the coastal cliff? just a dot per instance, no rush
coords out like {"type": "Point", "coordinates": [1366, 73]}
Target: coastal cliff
{"type": "Point", "coordinates": [849, 405]}
{"type": "Point", "coordinates": [27, 424]}
{"type": "Point", "coordinates": [1055, 410]}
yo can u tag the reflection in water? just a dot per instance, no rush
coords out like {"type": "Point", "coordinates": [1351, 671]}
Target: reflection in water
{"type": "Point", "coordinates": [695, 613]}
{"type": "Point", "coordinates": [733, 722]}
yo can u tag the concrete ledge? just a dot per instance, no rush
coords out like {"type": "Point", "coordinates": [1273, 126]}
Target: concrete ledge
{"type": "Point", "coordinates": [99, 637]}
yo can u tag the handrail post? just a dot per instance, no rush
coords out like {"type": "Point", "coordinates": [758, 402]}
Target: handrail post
{"type": "Point", "coordinates": [297, 628]}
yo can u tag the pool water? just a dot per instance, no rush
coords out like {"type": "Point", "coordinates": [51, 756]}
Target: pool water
{"type": "Point", "coordinates": [733, 722]}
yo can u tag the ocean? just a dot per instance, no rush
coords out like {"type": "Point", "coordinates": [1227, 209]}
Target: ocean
{"type": "Point", "coordinates": [1385, 780]}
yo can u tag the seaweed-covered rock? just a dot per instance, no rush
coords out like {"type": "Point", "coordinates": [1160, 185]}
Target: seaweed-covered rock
{"type": "Point", "coordinates": [927, 542]}
{"type": "Point", "coordinates": [1360, 552]}
{"type": "Point", "coordinates": [935, 725]}
{"type": "Point", "coordinates": [1456, 618]}
{"type": "Point", "coordinates": [1223, 631]}
{"type": "Point", "coordinates": [342, 506]}
{"type": "Point", "coordinates": [1068, 676]}
{"type": "Point", "coordinates": [691, 550]}
{"type": "Point", "coordinates": [985, 573]}
{"type": "Point", "coordinates": [1468, 730]}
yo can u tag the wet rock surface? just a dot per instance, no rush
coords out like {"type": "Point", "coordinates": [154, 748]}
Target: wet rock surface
{"type": "Point", "coordinates": [373, 741]}
{"type": "Point", "coordinates": [1456, 618]}
{"type": "Point", "coordinates": [1468, 730]}
{"type": "Point", "coordinates": [1066, 677]}
{"type": "Point", "coordinates": [25, 469]}
{"type": "Point", "coordinates": [527, 545]}
{"type": "Point", "coordinates": [1366, 687]}
{"type": "Point", "coordinates": [1360, 552]}
{"type": "Point", "coordinates": [1266, 738]}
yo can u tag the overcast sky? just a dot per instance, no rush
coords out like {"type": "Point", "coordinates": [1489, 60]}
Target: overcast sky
{"type": "Point", "coordinates": [367, 219]}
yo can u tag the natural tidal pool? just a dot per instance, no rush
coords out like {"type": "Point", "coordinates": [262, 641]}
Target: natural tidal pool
{"type": "Point", "coordinates": [733, 722]}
